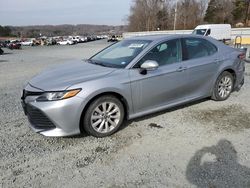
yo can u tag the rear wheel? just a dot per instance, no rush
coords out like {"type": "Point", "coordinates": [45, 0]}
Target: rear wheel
{"type": "Point", "coordinates": [104, 116]}
{"type": "Point", "coordinates": [223, 86]}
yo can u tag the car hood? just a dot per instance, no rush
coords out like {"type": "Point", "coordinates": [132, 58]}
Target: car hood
{"type": "Point", "coordinates": [59, 79]}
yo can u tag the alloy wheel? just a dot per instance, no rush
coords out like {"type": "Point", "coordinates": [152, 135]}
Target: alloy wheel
{"type": "Point", "coordinates": [105, 117]}
{"type": "Point", "coordinates": [225, 86]}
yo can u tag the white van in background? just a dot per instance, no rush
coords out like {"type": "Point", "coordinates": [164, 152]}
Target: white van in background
{"type": "Point", "coordinates": [220, 32]}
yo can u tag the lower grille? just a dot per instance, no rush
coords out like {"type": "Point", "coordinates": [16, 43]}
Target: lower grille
{"type": "Point", "coordinates": [38, 119]}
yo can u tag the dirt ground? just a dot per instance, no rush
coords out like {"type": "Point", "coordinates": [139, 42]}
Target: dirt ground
{"type": "Point", "coordinates": [202, 144]}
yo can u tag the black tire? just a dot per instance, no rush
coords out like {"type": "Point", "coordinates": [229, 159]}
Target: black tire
{"type": "Point", "coordinates": [87, 122]}
{"type": "Point", "coordinates": [216, 94]}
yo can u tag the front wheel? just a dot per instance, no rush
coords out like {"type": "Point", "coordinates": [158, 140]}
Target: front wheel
{"type": "Point", "coordinates": [223, 86]}
{"type": "Point", "coordinates": [104, 116]}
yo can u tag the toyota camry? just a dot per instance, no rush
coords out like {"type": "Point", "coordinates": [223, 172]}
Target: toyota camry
{"type": "Point", "coordinates": [129, 79]}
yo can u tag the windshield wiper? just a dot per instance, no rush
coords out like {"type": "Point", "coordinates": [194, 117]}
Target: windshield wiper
{"type": "Point", "coordinates": [97, 63]}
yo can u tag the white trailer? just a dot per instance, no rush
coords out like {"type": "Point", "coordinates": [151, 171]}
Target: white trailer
{"type": "Point", "coordinates": [220, 32]}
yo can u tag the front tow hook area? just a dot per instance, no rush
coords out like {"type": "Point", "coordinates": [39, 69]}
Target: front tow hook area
{"type": "Point", "coordinates": [24, 107]}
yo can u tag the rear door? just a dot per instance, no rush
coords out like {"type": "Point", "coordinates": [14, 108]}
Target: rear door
{"type": "Point", "coordinates": [202, 62]}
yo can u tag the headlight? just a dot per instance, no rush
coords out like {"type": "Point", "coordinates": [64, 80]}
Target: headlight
{"type": "Point", "coordinates": [58, 95]}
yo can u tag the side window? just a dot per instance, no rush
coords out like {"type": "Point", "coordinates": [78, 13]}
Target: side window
{"type": "Point", "coordinates": [196, 48]}
{"type": "Point", "coordinates": [165, 53]}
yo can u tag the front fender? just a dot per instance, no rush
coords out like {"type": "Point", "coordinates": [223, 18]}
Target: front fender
{"type": "Point", "coordinates": [92, 89]}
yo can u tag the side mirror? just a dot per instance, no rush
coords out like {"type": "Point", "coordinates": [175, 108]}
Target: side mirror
{"type": "Point", "coordinates": [150, 65]}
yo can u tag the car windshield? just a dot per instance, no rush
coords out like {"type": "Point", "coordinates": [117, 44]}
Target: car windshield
{"type": "Point", "coordinates": [199, 32]}
{"type": "Point", "coordinates": [120, 54]}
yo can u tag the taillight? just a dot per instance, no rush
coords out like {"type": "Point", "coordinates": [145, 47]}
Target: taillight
{"type": "Point", "coordinates": [242, 56]}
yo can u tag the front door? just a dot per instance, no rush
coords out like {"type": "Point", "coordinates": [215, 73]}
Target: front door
{"type": "Point", "coordinates": [164, 85]}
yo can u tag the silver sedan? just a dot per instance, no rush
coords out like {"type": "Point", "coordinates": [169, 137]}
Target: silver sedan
{"type": "Point", "coordinates": [128, 79]}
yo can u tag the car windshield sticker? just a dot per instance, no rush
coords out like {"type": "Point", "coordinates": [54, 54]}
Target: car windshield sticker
{"type": "Point", "coordinates": [136, 45]}
{"type": "Point", "coordinates": [123, 63]}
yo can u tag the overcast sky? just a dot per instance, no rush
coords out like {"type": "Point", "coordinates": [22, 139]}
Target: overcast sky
{"type": "Point", "coordinates": [41, 12]}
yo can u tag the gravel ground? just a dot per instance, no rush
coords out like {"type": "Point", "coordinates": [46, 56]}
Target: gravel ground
{"type": "Point", "coordinates": [203, 144]}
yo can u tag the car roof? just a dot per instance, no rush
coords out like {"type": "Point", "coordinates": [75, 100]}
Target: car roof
{"type": "Point", "coordinates": [150, 37]}
{"type": "Point", "coordinates": [159, 38]}
{"type": "Point", "coordinates": [163, 37]}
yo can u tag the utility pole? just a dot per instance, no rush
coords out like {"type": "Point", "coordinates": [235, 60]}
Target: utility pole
{"type": "Point", "coordinates": [175, 14]}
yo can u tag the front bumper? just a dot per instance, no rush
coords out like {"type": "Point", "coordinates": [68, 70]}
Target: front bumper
{"type": "Point", "coordinates": [54, 118]}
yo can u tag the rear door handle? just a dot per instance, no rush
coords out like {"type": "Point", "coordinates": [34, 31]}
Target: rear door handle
{"type": "Point", "coordinates": [181, 69]}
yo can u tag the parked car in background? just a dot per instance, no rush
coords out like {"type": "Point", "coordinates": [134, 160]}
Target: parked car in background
{"type": "Point", "coordinates": [1, 51]}
{"type": "Point", "coordinates": [74, 39]}
{"type": "Point", "coordinates": [129, 79]}
{"type": "Point", "coordinates": [28, 42]}
{"type": "Point", "coordinates": [221, 32]}
{"type": "Point", "coordinates": [4, 44]}
{"type": "Point", "coordinates": [83, 39]}
{"type": "Point", "coordinates": [92, 38]}
{"type": "Point", "coordinates": [14, 44]}
{"type": "Point", "coordinates": [65, 42]}
{"type": "Point", "coordinates": [88, 39]}
{"type": "Point", "coordinates": [114, 38]}
{"type": "Point", "coordinates": [51, 41]}
{"type": "Point", "coordinates": [1, 44]}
